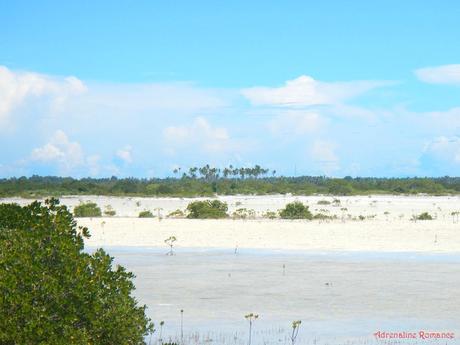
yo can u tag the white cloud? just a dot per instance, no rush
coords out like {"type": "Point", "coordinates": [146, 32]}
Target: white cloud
{"type": "Point", "coordinates": [17, 88]}
{"type": "Point", "coordinates": [324, 156]}
{"type": "Point", "coordinates": [200, 134]}
{"type": "Point", "coordinates": [125, 154]}
{"type": "Point", "coordinates": [60, 150]}
{"type": "Point", "coordinates": [306, 91]}
{"type": "Point", "coordinates": [446, 74]}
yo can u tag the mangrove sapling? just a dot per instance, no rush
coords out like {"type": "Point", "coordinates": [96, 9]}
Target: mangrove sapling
{"type": "Point", "coordinates": [251, 318]}
{"type": "Point", "coordinates": [160, 338]}
{"type": "Point", "coordinates": [182, 326]}
{"type": "Point", "coordinates": [170, 242]}
{"type": "Point", "coordinates": [295, 330]}
{"type": "Point", "coordinates": [159, 209]}
{"type": "Point", "coordinates": [386, 213]}
{"type": "Point", "coordinates": [109, 211]}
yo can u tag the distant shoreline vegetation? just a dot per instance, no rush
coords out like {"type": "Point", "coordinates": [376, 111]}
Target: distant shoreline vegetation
{"type": "Point", "coordinates": [208, 181]}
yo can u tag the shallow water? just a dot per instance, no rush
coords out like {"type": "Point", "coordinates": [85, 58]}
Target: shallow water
{"type": "Point", "coordinates": [341, 298]}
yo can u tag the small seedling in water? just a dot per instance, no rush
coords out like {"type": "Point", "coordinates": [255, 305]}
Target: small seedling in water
{"type": "Point", "coordinates": [160, 340]}
{"type": "Point", "coordinates": [170, 242]}
{"type": "Point", "coordinates": [251, 318]}
{"type": "Point", "coordinates": [295, 330]}
{"type": "Point", "coordinates": [182, 326]}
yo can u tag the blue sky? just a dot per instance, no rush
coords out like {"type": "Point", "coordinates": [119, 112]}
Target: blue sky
{"type": "Point", "coordinates": [361, 88]}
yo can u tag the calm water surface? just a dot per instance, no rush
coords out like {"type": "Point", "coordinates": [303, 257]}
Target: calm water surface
{"type": "Point", "coordinates": [341, 298]}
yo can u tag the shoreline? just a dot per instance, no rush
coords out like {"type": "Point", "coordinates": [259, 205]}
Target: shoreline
{"type": "Point", "coordinates": [359, 236]}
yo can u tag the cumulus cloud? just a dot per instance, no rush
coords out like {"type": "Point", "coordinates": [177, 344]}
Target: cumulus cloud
{"type": "Point", "coordinates": [306, 91]}
{"type": "Point", "coordinates": [68, 157]}
{"type": "Point", "coordinates": [200, 134]}
{"type": "Point", "coordinates": [61, 151]}
{"type": "Point", "coordinates": [17, 88]}
{"type": "Point", "coordinates": [446, 74]}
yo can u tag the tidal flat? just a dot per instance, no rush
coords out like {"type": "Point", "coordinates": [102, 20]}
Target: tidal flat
{"type": "Point", "coordinates": [341, 297]}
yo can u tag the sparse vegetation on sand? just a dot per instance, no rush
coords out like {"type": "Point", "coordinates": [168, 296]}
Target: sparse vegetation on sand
{"type": "Point", "coordinates": [244, 213]}
{"type": "Point", "coordinates": [89, 209]}
{"type": "Point", "coordinates": [109, 211]}
{"type": "Point", "coordinates": [176, 214]}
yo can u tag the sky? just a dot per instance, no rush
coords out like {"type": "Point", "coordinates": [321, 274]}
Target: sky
{"type": "Point", "coordinates": [335, 88]}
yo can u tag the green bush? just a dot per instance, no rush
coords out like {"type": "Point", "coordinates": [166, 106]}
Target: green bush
{"type": "Point", "coordinates": [89, 209]}
{"type": "Point", "coordinates": [207, 209]}
{"type": "Point", "coordinates": [53, 292]}
{"type": "Point", "coordinates": [146, 214]}
{"type": "Point", "coordinates": [176, 214]}
{"type": "Point", "coordinates": [296, 210]}
{"type": "Point", "coordinates": [424, 216]}
{"type": "Point", "coordinates": [322, 216]}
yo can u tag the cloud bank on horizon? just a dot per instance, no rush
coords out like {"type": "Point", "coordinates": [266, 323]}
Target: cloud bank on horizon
{"type": "Point", "coordinates": [83, 124]}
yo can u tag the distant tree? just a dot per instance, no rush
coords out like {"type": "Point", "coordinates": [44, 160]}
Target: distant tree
{"type": "Point", "coordinates": [53, 292]}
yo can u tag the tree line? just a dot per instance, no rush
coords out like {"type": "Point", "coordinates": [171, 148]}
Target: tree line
{"type": "Point", "coordinates": [208, 181]}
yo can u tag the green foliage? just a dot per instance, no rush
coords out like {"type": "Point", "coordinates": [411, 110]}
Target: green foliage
{"type": "Point", "coordinates": [146, 214]}
{"type": "Point", "coordinates": [207, 209]}
{"type": "Point", "coordinates": [243, 213]}
{"type": "Point", "coordinates": [322, 216]}
{"type": "Point", "coordinates": [52, 292]}
{"type": "Point", "coordinates": [424, 216]}
{"type": "Point", "coordinates": [269, 215]}
{"type": "Point", "coordinates": [176, 214]}
{"type": "Point", "coordinates": [296, 210]}
{"type": "Point", "coordinates": [207, 181]}
{"type": "Point", "coordinates": [89, 209]}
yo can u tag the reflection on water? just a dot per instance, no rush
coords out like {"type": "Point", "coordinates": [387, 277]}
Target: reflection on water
{"type": "Point", "coordinates": [340, 297]}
